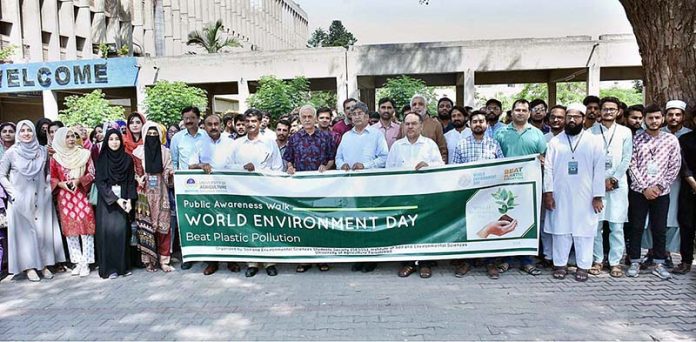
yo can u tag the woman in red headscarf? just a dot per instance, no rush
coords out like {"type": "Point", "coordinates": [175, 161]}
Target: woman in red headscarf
{"type": "Point", "coordinates": [133, 137]}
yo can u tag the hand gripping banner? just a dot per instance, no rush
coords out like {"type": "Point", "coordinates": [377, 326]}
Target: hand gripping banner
{"type": "Point", "coordinates": [484, 209]}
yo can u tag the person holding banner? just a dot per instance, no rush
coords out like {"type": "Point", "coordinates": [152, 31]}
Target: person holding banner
{"type": "Point", "coordinates": [252, 153]}
{"type": "Point", "coordinates": [362, 147]}
{"type": "Point", "coordinates": [573, 192]}
{"type": "Point", "coordinates": [310, 149]}
{"type": "Point", "coordinates": [414, 152]}
{"type": "Point", "coordinates": [475, 147]}
{"type": "Point", "coordinates": [520, 138]}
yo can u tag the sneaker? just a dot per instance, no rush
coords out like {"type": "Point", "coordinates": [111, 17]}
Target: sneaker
{"type": "Point", "coordinates": [32, 275]}
{"type": "Point", "coordinates": [634, 270]}
{"type": "Point", "coordinates": [661, 272]}
{"type": "Point", "coordinates": [76, 270]}
{"type": "Point", "coordinates": [47, 273]}
{"type": "Point", "coordinates": [113, 276]}
{"type": "Point", "coordinates": [84, 270]}
{"type": "Point", "coordinates": [668, 261]}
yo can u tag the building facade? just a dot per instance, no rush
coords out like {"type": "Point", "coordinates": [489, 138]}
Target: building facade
{"type": "Point", "coordinates": [51, 30]}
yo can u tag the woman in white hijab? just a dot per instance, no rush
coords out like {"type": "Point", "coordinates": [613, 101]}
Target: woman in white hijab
{"type": "Point", "coordinates": [34, 235]}
{"type": "Point", "coordinates": [72, 173]}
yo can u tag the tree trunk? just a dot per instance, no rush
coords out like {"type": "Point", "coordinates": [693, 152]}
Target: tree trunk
{"type": "Point", "coordinates": [664, 30]}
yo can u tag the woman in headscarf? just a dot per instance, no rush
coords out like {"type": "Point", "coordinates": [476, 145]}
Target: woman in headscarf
{"type": "Point", "coordinates": [133, 137]}
{"type": "Point", "coordinates": [41, 130]}
{"type": "Point", "coordinates": [72, 172]}
{"type": "Point", "coordinates": [7, 136]}
{"type": "Point", "coordinates": [117, 192]}
{"type": "Point", "coordinates": [152, 210]}
{"type": "Point", "coordinates": [34, 235]}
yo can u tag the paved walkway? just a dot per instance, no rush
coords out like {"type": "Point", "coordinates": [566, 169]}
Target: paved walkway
{"type": "Point", "coordinates": [341, 305]}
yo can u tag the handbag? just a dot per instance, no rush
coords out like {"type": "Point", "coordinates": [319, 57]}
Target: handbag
{"type": "Point", "coordinates": [93, 199]}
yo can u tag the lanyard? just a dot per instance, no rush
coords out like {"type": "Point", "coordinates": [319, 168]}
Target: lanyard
{"type": "Point", "coordinates": [607, 145]}
{"type": "Point", "coordinates": [573, 148]}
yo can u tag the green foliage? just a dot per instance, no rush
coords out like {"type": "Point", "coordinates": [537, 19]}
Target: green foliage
{"type": "Point", "coordinates": [338, 35]}
{"type": "Point", "coordinates": [103, 50]}
{"type": "Point", "coordinates": [402, 88]}
{"type": "Point", "coordinates": [7, 52]}
{"type": "Point", "coordinates": [628, 96]}
{"type": "Point", "coordinates": [505, 199]}
{"type": "Point", "coordinates": [323, 99]}
{"type": "Point", "coordinates": [123, 50]}
{"type": "Point", "coordinates": [209, 38]}
{"type": "Point", "coordinates": [89, 110]}
{"type": "Point", "coordinates": [279, 97]}
{"type": "Point", "coordinates": [165, 100]}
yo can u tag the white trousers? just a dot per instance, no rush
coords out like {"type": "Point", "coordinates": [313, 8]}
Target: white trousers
{"type": "Point", "coordinates": [84, 254]}
{"type": "Point", "coordinates": [583, 250]}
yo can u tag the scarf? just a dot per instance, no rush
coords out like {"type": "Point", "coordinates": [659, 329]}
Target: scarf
{"type": "Point", "coordinates": [74, 159]}
{"type": "Point", "coordinates": [41, 135]}
{"type": "Point", "coordinates": [113, 166]}
{"type": "Point", "coordinates": [32, 156]}
{"type": "Point", "coordinates": [152, 157]}
{"type": "Point", "coordinates": [129, 139]}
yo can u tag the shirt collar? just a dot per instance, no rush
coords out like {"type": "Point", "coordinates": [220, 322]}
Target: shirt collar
{"type": "Point", "coordinates": [198, 133]}
{"type": "Point", "coordinates": [365, 131]}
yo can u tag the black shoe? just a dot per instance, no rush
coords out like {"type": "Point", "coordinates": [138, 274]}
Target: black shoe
{"type": "Point", "coordinates": [271, 271]}
{"type": "Point", "coordinates": [186, 265]}
{"type": "Point", "coordinates": [251, 271]}
{"type": "Point", "coordinates": [358, 266]}
{"type": "Point", "coordinates": [369, 267]}
{"type": "Point", "coordinates": [668, 261]}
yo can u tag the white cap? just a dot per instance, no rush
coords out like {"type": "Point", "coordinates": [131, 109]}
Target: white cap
{"type": "Point", "coordinates": [577, 106]}
{"type": "Point", "coordinates": [676, 104]}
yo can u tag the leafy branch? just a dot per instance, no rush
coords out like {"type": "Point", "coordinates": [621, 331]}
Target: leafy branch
{"type": "Point", "coordinates": [505, 199]}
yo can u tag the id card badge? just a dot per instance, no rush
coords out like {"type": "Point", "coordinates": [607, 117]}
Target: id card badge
{"type": "Point", "coordinates": [116, 189]}
{"type": "Point", "coordinates": [608, 162]}
{"type": "Point", "coordinates": [152, 181]}
{"type": "Point", "coordinates": [572, 167]}
{"type": "Point", "coordinates": [653, 170]}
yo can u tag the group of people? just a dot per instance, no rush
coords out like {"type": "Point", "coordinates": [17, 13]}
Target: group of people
{"type": "Point", "coordinates": [108, 197]}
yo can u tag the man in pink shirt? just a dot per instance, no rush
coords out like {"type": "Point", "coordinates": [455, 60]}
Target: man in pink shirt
{"type": "Point", "coordinates": [386, 124]}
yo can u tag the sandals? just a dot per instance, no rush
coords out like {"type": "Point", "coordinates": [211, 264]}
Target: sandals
{"type": "Point", "coordinates": [425, 272]}
{"type": "Point", "coordinates": [581, 275]}
{"type": "Point", "coordinates": [616, 271]}
{"type": "Point", "coordinates": [560, 272]}
{"type": "Point", "coordinates": [492, 271]}
{"type": "Point", "coordinates": [167, 268]}
{"type": "Point", "coordinates": [150, 268]}
{"type": "Point", "coordinates": [596, 269]}
{"type": "Point", "coordinates": [682, 268]}
{"type": "Point", "coordinates": [323, 267]}
{"type": "Point", "coordinates": [503, 267]}
{"type": "Point", "coordinates": [406, 271]}
{"type": "Point", "coordinates": [302, 268]}
{"type": "Point", "coordinates": [462, 270]}
{"type": "Point", "coordinates": [531, 270]}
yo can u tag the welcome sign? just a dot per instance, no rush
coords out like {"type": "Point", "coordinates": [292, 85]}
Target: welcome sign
{"type": "Point", "coordinates": [481, 209]}
{"type": "Point", "coordinates": [77, 74]}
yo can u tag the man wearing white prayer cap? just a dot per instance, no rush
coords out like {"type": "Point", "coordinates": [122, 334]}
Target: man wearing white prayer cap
{"type": "Point", "coordinates": [573, 192]}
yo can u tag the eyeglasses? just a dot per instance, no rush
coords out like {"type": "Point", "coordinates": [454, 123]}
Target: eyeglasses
{"type": "Point", "coordinates": [610, 110]}
{"type": "Point", "coordinates": [574, 117]}
{"type": "Point", "coordinates": [538, 109]}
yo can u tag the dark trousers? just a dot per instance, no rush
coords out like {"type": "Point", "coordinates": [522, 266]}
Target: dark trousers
{"type": "Point", "coordinates": [640, 207]}
{"type": "Point", "coordinates": [687, 222]}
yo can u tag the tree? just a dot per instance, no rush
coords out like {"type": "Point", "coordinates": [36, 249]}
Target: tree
{"type": "Point", "coordinates": [165, 100]}
{"type": "Point", "coordinates": [89, 110]}
{"type": "Point", "coordinates": [664, 30]}
{"type": "Point", "coordinates": [210, 40]}
{"type": "Point", "coordinates": [279, 97]}
{"type": "Point", "coordinates": [338, 35]}
{"type": "Point", "coordinates": [402, 88]}
{"type": "Point", "coordinates": [7, 52]}
{"type": "Point", "coordinates": [323, 99]}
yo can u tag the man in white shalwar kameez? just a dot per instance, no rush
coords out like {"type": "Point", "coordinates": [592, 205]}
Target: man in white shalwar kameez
{"type": "Point", "coordinates": [618, 149]}
{"type": "Point", "coordinates": [573, 192]}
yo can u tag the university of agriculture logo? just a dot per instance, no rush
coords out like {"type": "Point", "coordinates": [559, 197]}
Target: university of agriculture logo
{"type": "Point", "coordinates": [514, 173]}
{"type": "Point", "coordinates": [191, 184]}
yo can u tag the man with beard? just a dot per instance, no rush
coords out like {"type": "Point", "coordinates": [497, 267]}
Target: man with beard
{"type": "Point", "coordinates": [494, 109]}
{"type": "Point", "coordinates": [520, 139]}
{"type": "Point", "coordinates": [345, 125]}
{"type": "Point", "coordinates": [324, 124]}
{"type": "Point", "coordinates": [444, 107]}
{"type": "Point", "coordinates": [634, 118]}
{"type": "Point", "coordinates": [431, 127]}
{"type": "Point", "coordinates": [591, 102]}
{"type": "Point", "coordinates": [282, 133]}
{"type": "Point", "coordinates": [618, 148]}
{"type": "Point", "coordinates": [251, 153]}
{"type": "Point", "coordinates": [654, 166]}
{"type": "Point", "coordinates": [573, 191]}
{"type": "Point", "coordinates": [538, 115]}
{"type": "Point", "coordinates": [386, 124]}
{"type": "Point", "coordinates": [228, 125]}
{"type": "Point", "coordinates": [474, 147]}
{"type": "Point", "coordinates": [239, 126]}
{"type": "Point", "coordinates": [213, 153]}
{"type": "Point", "coordinates": [687, 198]}
{"type": "Point", "coordinates": [459, 117]}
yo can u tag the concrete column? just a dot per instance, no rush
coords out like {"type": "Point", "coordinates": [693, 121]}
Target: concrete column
{"type": "Point", "coordinates": [149, 27]}
{"type": "Point", "coordinates": [593, 79]}
{"type": "Point", "coordinates": [67, 28]}
{"type": "Point", "coordinates": [83, 23]}
{"type": "Point", "coordinates": [32, 29]}
{"type": "Point", "coordinates": [50, 104]}
{"type": "Point", "coordinates": [553, 89]}
{"type": "Point", "coordinates": [466, 88]}
{"type": "Point", "coordinates": [243, 95]}
{"type": "Point", "coordinates": [49, 23]}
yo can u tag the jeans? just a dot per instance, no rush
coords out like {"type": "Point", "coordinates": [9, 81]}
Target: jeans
{"type": "Point", "coordinates": [616, 243]}
{"type": "Point", "coordinates": [658, 224]}
{"type": "Point", "coordinates": [687, 223]}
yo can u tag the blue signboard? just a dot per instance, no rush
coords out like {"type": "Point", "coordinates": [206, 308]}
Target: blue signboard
{"type": "Point", "coordinates": [75, 74]}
